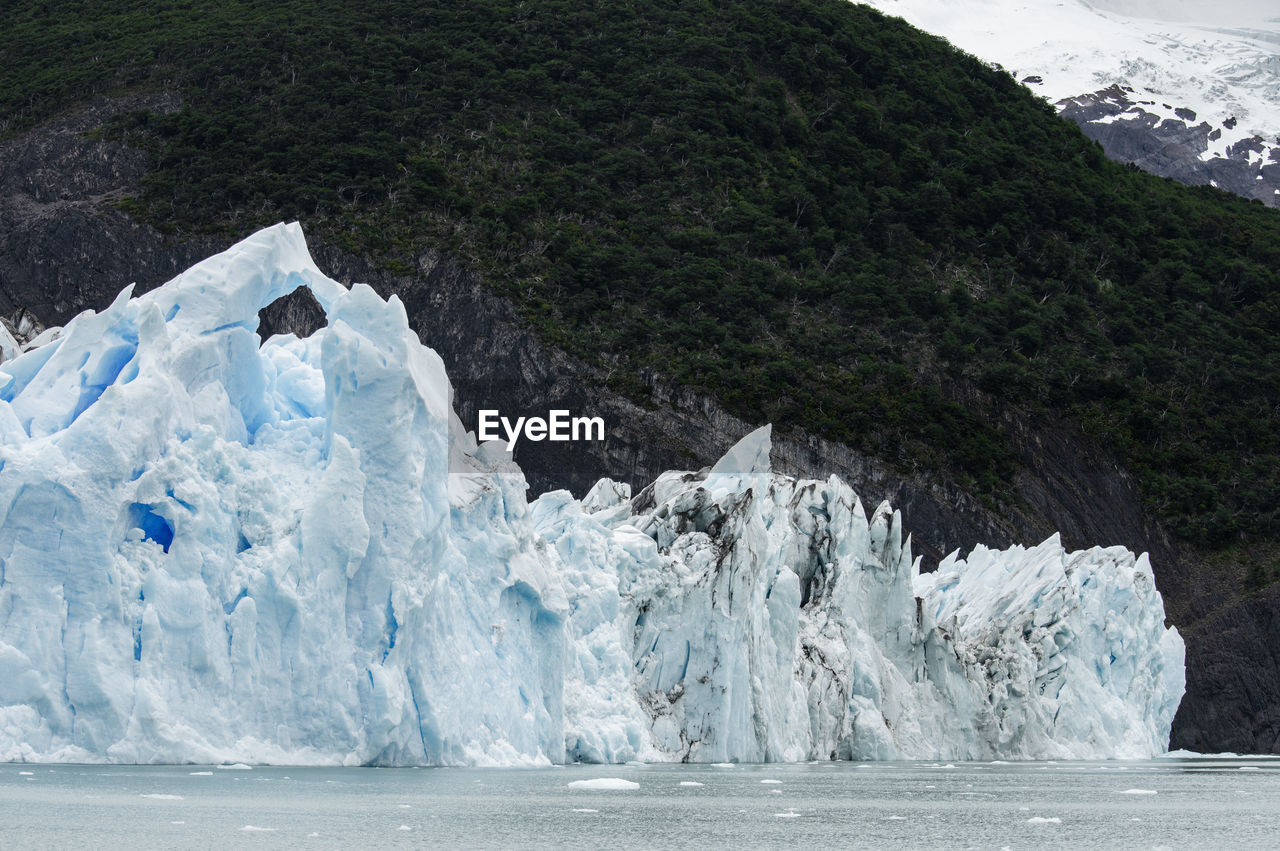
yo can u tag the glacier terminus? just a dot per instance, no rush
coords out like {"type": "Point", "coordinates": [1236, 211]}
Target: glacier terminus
{"type": "Point", "coordinates": [219, 549]}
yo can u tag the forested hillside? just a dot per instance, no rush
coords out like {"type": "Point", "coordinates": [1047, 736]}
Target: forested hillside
{"type": "Point", "coordinates": [811, 212]}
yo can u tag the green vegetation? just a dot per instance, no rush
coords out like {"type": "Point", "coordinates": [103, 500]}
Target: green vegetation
{"type": "Point", "coordinates": [815, 213]}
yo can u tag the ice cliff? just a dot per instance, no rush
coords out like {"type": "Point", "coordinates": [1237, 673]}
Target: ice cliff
{"type": "Point", "coordinates": [214, 548]}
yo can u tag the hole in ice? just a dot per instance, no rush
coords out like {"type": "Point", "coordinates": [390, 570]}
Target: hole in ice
{"type": "Point", "coordinates": [297, 313]}
{"type": "Point", "coordinates": [154, 527]}
{"type": "Point", "coordinates": [172, 312]}
{"type": "Point", "coordinates": [242, 543]}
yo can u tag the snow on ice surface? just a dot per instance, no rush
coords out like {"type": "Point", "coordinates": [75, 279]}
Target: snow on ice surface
{"type": "Point", "coordinates": [1221, 60]}
{"type": "Point", "coordinates": [216, 549]}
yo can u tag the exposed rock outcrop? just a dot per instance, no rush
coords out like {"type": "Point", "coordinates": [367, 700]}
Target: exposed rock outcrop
{"type": "Point", "coordinates": [1176, 147]}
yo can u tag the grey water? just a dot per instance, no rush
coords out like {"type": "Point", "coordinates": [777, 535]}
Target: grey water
{"type": "Point", "coordinates": [1164, 803]}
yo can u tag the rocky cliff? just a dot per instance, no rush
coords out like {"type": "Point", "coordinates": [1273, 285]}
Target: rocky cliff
{"type": "Point", "coordinates": [65, 247]}
{"type": "Point", "coordinates": [1179, 147]}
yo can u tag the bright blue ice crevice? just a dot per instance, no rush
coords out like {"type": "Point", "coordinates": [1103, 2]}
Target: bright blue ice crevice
{"type": "Point", "coordinates": [154, 526]}
{"type": "Point", "coordinates": [230, 607]}
{"type": "Point", "coordinates": [392, 627]}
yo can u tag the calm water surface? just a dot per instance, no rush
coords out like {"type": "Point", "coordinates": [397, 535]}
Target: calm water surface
{"type": "Point", "coordinates": [1173, 803]}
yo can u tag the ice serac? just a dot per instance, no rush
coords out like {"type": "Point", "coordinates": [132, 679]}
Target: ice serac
{"type": "Point", "coordinates": [215, 548]}
{"type": "Point", "coordinates": [771, 619]}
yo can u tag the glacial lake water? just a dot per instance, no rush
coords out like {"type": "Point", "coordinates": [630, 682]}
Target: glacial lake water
{"type": "Point", "coordinates": [1167, 803]}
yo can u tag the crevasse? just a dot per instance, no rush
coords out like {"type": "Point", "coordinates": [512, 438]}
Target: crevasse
{"type": "Point", "coordinates": [219, 549]}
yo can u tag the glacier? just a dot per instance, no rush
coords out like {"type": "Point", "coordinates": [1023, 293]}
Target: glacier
{"type": "Point", "coordinates": [219, 549]}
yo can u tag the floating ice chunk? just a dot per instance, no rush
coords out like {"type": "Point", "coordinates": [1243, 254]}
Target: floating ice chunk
{"type": "Point", "coordinates": [200, 773]}
{"type": "Point", "coordinates": [771, 781]}
{"type": "Point", "coordinates": [787, 814]}
{"type": "Point", "coordinates": [690, 783]}
{"type": "Point", "coordinates": [160, 796]}
{"type": "Point", "coordinates": [604, 784]}
{"type": "Point", "coordinates": [237, 766]}
{"type": "Point", "coordinates": [585, 810]}
{"type": "Point", "coordinates": [249, 828]}
{"type": "Point", "coordinates": [1041, 820]}
{"type": "Point", "coordinates": [1138, 792]}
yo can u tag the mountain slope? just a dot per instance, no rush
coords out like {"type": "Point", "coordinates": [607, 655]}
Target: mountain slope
{"type": "Point", "coordinates": [800, 212]}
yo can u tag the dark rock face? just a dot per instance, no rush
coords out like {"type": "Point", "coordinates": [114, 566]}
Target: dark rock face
{"type": "Point", "coordinates": [298, 313]}
{"type": "Point", "coordinates": [1172, 147]}
{"type": "Point", "coordinates": [1233, 704]}
{"type": "Point", "coordinates": [64, 247]}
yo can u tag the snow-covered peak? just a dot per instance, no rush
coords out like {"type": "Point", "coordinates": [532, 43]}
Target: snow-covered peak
{"type": "Point", "coordinates": [1177, 61]}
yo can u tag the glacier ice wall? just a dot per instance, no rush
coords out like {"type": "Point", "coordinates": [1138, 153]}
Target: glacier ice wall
{"type": "Point", "coordinates": [214, 548]}
{"type": "Point", "coordinates": [771, 619]}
